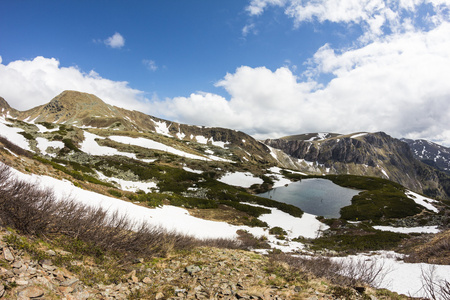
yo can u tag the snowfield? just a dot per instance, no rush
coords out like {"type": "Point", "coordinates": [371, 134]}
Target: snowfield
{"type": "Point", "coordinates": [421, 200]}
{"type": "Point", "coordinates": [43, 144]}
{"type": "Point", "coordinates": [242, 179]}
{"type": "Point", "coordinates": [423, 229]}
{"type": "Point", "coordinates": [90, 146]}
{"type": "Point", "coordinates": [13, 134]}
{"type": "Point", "coordinates": [400, 277]}
{"type": "Point", "coordinates": [151, 144]}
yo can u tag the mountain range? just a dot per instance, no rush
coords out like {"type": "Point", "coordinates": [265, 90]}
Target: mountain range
{"type": "Point", "coordinates": [199, 183]}
{"type": "Point", "coordinates": [417, 165]}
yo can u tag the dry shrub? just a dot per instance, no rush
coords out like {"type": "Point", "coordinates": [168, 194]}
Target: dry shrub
{"type": "Point", "coordinates": [32, 210]}
{"type": "Point", "coordinates": [435, 287]}
{"type": "Point", "coordinates": [436, 250]}
{"type": "Point", "coordinates": [345, 273]}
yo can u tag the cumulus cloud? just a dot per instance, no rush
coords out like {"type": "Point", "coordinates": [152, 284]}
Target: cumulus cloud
{"type": "Point", "coordinates": [397, 84]}
{"type": "Point", "coordinates": [375, 17]}
{"type": "Point", "coordinates": [115, 41]}
{"type": "Point", "coordinates": [28, 83]}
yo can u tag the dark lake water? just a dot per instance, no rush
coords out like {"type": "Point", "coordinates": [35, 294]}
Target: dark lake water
{"type": "Point", "coordinates": [316, 196]}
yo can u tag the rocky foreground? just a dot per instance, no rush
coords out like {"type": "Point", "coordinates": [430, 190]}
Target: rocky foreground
{"type": "Point", "coordinates": [201, 273]}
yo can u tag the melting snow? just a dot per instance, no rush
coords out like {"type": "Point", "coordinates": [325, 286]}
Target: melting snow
{"type": "Point", "coordinates": [43, 144]}
{"type": "Point", "coordinates": [400, 277]}
{"type": "Point", "coordinates": [423, 229]}
{"type": "Point", "coordinates": [192, 171]}
{"type": "Point", "coordinates": [150, 144]}
{"type": "Point", "coordinates": [12, 134]}
{"type": "Point", "coordinates": [358, 135]}
{"type": "Point", "coordinates": [90, 146]}
{"type": "Point", "coordinates": [241, 179]}
{"type": "Point", "coordinates": [127, 185]}
{"type": "Point", "coordinates": [162, 128]}
{"type": "Point", "coordinates": [421, 200]}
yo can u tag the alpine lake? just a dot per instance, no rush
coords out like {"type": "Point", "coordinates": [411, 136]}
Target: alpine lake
{"type": "Point", "coordinates": [320, 197]}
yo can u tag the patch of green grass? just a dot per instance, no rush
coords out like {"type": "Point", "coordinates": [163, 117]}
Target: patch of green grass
{"type": "Point", "coordinates": [26, 135]}
{"type": "Point", "coordinates": [377, 240]}
{"type": "Point", "coordinates": [115, 193]}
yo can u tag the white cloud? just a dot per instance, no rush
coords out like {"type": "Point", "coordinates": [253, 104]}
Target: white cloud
{"type": "Point", "coordinates": [115, 41]}
{"type": "Point", "coordinates": [375, 17]}
{"type": "Point", "coordinates": [28, 83]}
{"type": "Point", "coordinates": [249, 28]}
{"type": "Point", "coordinates": [398, 84]}
{"type": "Point", "coordinates": [256, 7]}
{"type": "Point", "coordinates": [150, 64]}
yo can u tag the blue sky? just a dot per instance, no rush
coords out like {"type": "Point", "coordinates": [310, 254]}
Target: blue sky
{"type": "Point", "coordinates": [267, 67]}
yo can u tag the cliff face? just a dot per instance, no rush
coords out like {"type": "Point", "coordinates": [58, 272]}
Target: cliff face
{"type": "Point", "coordinates": [371, 154]}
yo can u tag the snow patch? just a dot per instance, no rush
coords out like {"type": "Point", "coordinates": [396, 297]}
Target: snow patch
{"type": "Point", "coordinates": [151, 144]}
{"type": "Point", "coordinates": [358, 135]}
{"type": "Point", "coordinates": [423, 229]}
{"type": "Point", "coordinates": [43, 144]}
{"type": "Point", "coordinates": [421, 200]}
{"type": "Point", "coordinates": [241, 179]}
{"type": "Point", "coordinates": [162, 128]}
{"type": "Point", "coordinates": [12, 134]}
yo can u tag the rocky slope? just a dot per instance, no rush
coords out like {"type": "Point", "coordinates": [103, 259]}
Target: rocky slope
{"type": "Point", "coordinates": [370, 154]}
{"type": "Point", "coordinates": [430, 153]}
{"type": "Point", "coordinates": [88, 111]}
{"type": "Point", "coordinates": [203, 273]}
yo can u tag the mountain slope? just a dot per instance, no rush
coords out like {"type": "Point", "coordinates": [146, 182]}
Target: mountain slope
{"type": "Point", "coordinates": [430, 153]}
{"type": "Point", "coordinates": [88, 111]}
{"type": "Point", "coordinates": [370, 154]}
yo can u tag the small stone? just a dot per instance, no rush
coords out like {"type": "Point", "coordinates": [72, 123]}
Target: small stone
{"type": "Point", "coordinates": [7, 254]}
{"type": "Point", "coordinates": [32, 292]}
{"type": "Point", "coordinates": [65, 289]}
{"type": "Point", "coordinates": [146, 280]}
{"type": "Point", "coordinates": [2, 290]}
{"type": "Point", "coordinates": [159, 296]}
{"type": "Point", "coordinates": [297, 289]}
{"type": "Point", "coordinates": [21, 282]}
{"type": "Point", "coordinates": [192, 269]}
{"type": "Point", "coordinates": [17, 265]}
{"type": "Point", "coordinates": [69, 282]}
{"type": "Point", "coordinates": [50, 252]}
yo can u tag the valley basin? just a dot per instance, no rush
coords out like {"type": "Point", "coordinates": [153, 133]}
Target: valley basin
{"type": "Point", "coordinates": [320, 197]}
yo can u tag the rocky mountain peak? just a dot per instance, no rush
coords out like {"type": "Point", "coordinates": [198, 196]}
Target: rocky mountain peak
{"type": "Point", "coordinates": [4, 104]}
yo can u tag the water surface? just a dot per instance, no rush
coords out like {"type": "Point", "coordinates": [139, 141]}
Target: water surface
{"type": "Point", "coordinates": [320, 197]}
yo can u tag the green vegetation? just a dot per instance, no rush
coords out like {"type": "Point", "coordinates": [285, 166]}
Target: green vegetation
{"type": "Point", "coordinates": [381, 198]}
{"type": "Point", "coordinates": [115, 193]}
{"type": "Point", "coordinates": [26, 135]}
{"type": "Point", "coordinates": [376, 240]}
{"type": "Point", "coordinates": [75, 174]}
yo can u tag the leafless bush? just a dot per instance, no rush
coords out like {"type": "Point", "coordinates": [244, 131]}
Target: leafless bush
{"type": "Point", "coordinates": [32, 210]}
{"type": "Point", "coordinates": [346, 273]}
{"type": "Point", "coordinates": [249, 241]}
{"type": "Point", "coordinates": [434, 287]}
{"type": "Point", "coordinates": [14, 148]}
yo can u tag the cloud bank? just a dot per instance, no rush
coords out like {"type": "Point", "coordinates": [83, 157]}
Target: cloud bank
{"type": "Point", "coordinates": [394, 78]}
{"type": "Point", "coordinates": [28, 83]}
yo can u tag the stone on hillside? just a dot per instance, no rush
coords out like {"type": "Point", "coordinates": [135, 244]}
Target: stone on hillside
{"type": "Point", "coordinates": [2, 290]}
{"type": "Point", "coordinates": [50, 252]}
{"type": "Point", "coordinates": [69, 282]}
{"type": "Point", "coordinates": [7, 254]}
{"type": "Point", "coordinates": [146, 280]}
{"type": "Point", "coordinates": [192, 269]}
{"type": "Point", "coordinates": [32, 292]}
